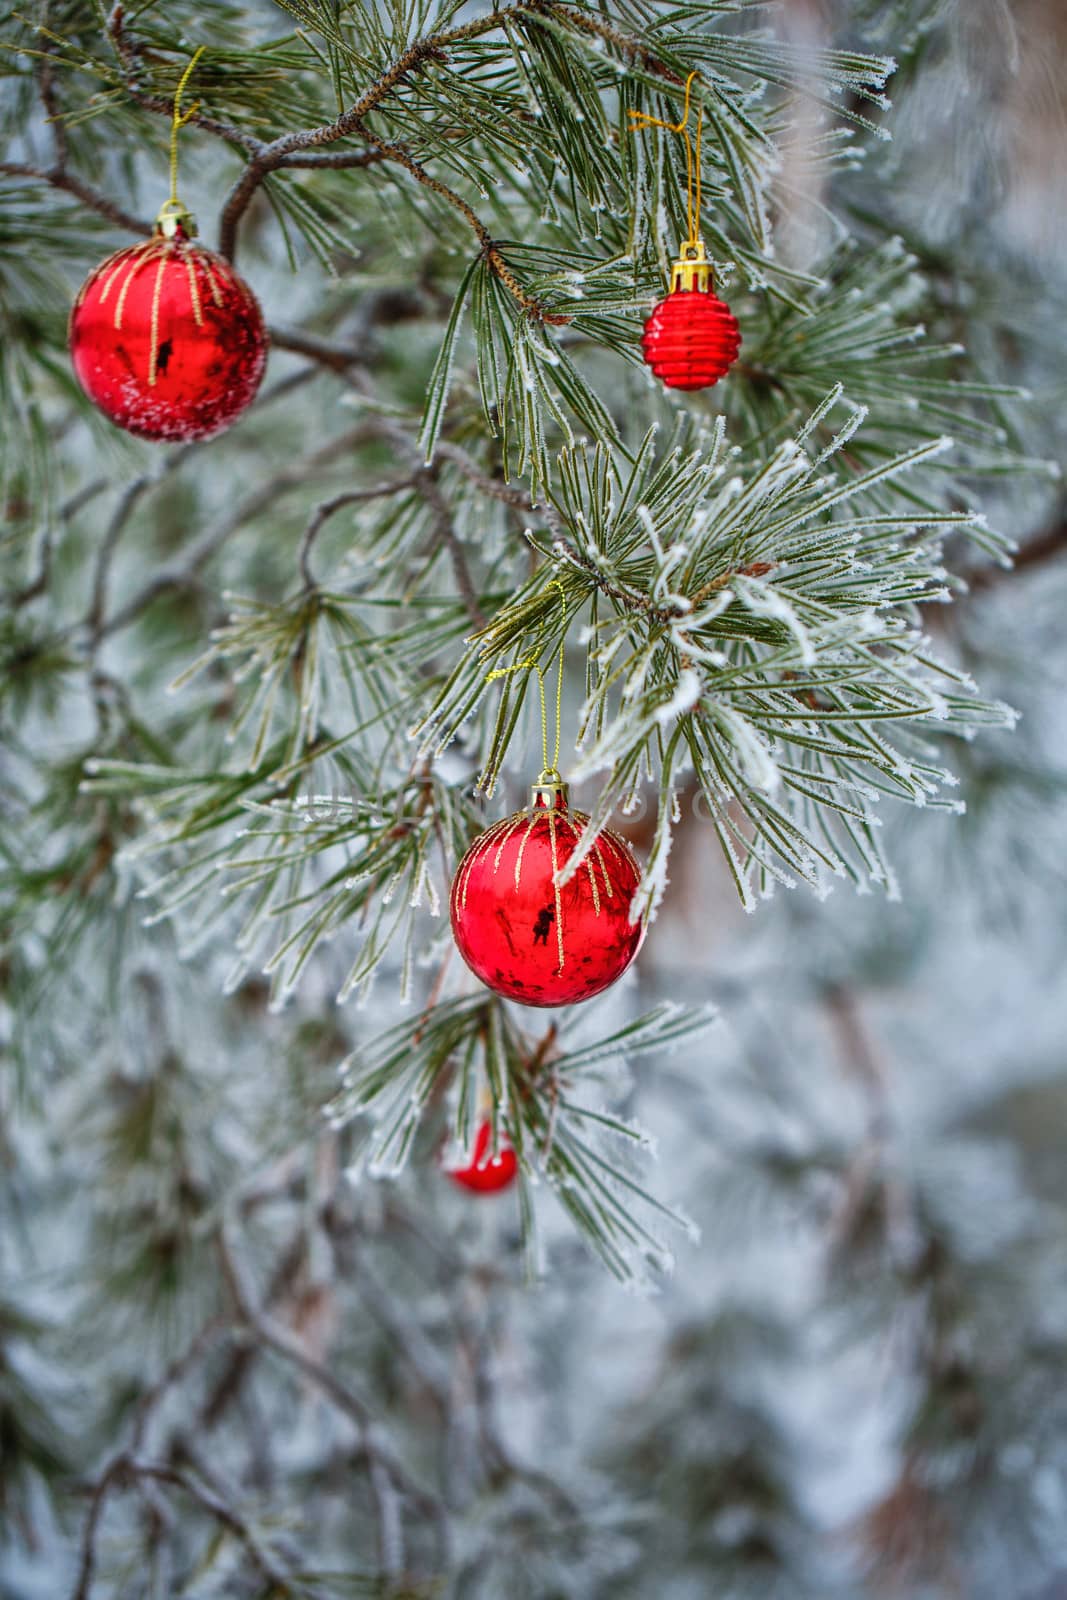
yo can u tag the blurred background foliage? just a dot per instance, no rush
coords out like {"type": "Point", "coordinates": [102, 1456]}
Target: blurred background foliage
{"type": "Point", "coordinates": [854, 1382]}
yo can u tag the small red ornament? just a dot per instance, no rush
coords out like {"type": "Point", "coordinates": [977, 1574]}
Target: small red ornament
{"type": "Point", "coordinates": [166, 338]}
{"type": "Point", "coordinates": [525, 936]}
{"type": "Point", "coordinates": [486, 1173]}
{"type": "Point", "coordinates": [692, 338]}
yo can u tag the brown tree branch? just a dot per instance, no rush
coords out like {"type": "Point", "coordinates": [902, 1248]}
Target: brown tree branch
{"type": "Point", "coordinates": [58, 178]}
{"type": "Point", "coordinates": [324, 352]}
{"type": "Point", "coordinates": [261, 499]}
{"type": "Point", "coordinates": [489, 248]}
{"type": "Point", "coordinates": [163, 105]}
{"type": "Point", "coordinates": [425, 479]}
{"type": "Point", "coordinates": [597, 27]}
{"type": "Point", "coordinates": [445, 533]}
{"type": "Point", "coordinates": [373, 1445]}
{"type": "Point", "coordinates": [289, 149]}
{"type": "Point", "coordinates": [270, 156]}
{"type": "Point", "coordinates": [126, 1470]}
{"type": "Point", "coordinates": [478, 1340]}
{"type": "Point", "coordinates": [38, 584]}
{"type": "Point", "coordinates": [328, 508]}
{"type": "Point", "coordinates": [46, 87]}
{"type": "Point", "coordinates": [335, 159]}
{"type": "Point", "coordinates": [868, 1175]}
{"type": "Point", "coordinates": [118, 1470]}
{"type": "Point", "coordinates": [1045, 546]}
{"type": "Point", "coordinates": [495, 488]}
{"type": "Point", "coordinates": [127, 504]}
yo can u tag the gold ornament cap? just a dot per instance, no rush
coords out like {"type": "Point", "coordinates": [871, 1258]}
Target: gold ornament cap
{"type": "Point", "coordinates": [549, 793]}
{"type": "Point", "coordinates": [172, 217]}
{"type": "Point", "coordinates": [692, 270]}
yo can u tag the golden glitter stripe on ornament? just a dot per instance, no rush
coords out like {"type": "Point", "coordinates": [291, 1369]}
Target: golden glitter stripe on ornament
{"type": "Point", "coordinates": [143, 253]}
{"type": "Point", "coordinates": [522, 848]}
{"type": "Point", "coordinates": [211, 274]}
{"type": "Point", "coordinates": [511, 827]}
{"type": "Point", "coordinates": [555, 886]}
{"type": "Point", "coordinates": [596, 850]}
{"type": "Point", "coordinates": [120, 258]}
{"type": "Point", "coordinates": [474, 857]}
{"type": "Point", "coordinates": [120, 303]}
{"type": "Point", "coordinates": [607, 839]}
{"type": "Point", "coordinates": [114, 256]}
{"type": "Point", "coordinates": [625, 854]}
{"type": "Point", "coordinates": [593, 883]}
{"type": "Point", "coordinates": [459, 887]}
{"type": "Point", "coordinates": [577, 832]}
{"type": "Point", "coordinates": [153, 348]}
{"type": "Point", "coordinates": [194, 289]}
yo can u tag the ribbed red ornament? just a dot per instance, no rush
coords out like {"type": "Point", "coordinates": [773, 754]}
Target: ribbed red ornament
{"type": "Point", "coordinates": [526, 937]}
{"type": "Point", "coordinates": [486, 1173]}
{"type": "Point", "coordinates": [691, 339]}
{"type": "Point", "coordinates": [167, 339]}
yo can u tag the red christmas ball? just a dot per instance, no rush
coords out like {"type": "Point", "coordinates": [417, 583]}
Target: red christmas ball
{"type": "Point", "coordinates": [525, 936]}
{"type": "Point", "coordinates": [691, 339]}
{"type": "Point", "coordinates": [486, 1173]}
{"type": "Point", "coordinates": [167, 340]}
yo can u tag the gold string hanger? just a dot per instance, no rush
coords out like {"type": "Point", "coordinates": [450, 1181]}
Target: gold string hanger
{"type": "Point", "coordinates": [549, 777]}
{"type": "Point", "coordinates": [173, 214]}
{"type": "Point", "coordinates": [692, 270]}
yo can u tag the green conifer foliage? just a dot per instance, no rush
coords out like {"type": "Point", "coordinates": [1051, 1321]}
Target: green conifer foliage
{"type": "Point", "coordinates": [257, 696]}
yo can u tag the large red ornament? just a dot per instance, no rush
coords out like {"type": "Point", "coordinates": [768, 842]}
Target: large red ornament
{"type": "Point", "coordinates": [486, 1173]}
{"type": "Point", "coordinates": [524, 935]}
{"type": "Point", "coordinates": [166, 338]}
{"type": "Point", "coordinates": [692, 338]}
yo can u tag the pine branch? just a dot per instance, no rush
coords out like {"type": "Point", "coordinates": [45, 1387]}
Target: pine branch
{"type": "Point", "coordinates": [128, 1470]}
{"type": "Point", "coordinates": [326, 352]}
{"type": "Point", "coordinates": [38, 584]}
{"type": "Point", "coordinates": [379, 1454]}
{"type": "Point", "coordinates": [494, 488]}
{"type": "Point", "coordinates": [188, 576]}
{"type": "Point", "coordinates": [329, 508]}
{"type": "Point", "coordinates": [119, 1469]}
{"type": "Point", "coordinates": [128, 52]}
{"type": "Point", "coordinates": [426, 481]}
{"type": "Point", "coordinates": [434, 47]}
{"type": "Point", "coordinates": [293, 149]}
{"type": "Point", "coordinates": [750, 614]}
{"type": "Point", "coordinates": [259, 168]}
{"type": "Point", "coordinates": [350, 362]}
{"type": "Point", "coordinates": [598, 27]}
{"type": "Point", "coordinates": [127, 504]}
{"type": "Point", "coordinates": [1048, 545]}
{"type": "Point", "coordinates": [59, 178]}
{"type": "Point", "coordinates": [490, 250]}
{"type": "Point", "coordinates": [58, 174]}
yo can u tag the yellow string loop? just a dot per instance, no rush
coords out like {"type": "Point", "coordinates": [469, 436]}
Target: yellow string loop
{"type": "Point", "coordinates": [694, 194]}
{"type": "Point", "coordinates": [177, 123]}
{"type": "Point", "coordinates": [549, 772]}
